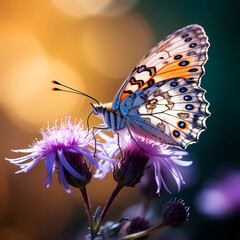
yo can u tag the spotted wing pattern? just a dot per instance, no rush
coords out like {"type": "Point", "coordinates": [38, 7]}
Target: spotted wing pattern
{"type": "Point", "coordinates": [181, 54]}
{"type": "Point", "coordinates": [173, 111]}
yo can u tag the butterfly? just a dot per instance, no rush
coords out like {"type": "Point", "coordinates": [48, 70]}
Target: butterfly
{"type": "Point", "coordinates": [161, 99]}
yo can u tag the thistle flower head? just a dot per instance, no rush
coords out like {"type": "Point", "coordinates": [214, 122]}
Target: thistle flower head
{"type": "Point", "coordinates": [165, 161]}
{"type": "Point", "coordinates": [175, 213]}
{"type": "Point", "coordinates": [129, 170]}
{"type": "Point", "coordinates": [66, 148]}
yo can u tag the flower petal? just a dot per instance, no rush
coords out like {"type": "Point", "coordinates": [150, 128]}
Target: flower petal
{"type": "Point", "coordinates": [26, 167]}
{"type": "Point", "coordinates": [23, 150]}
{"type": "Point", "coordinates": [49, 164]}
{"type": "Point", "coordinates": [21, 159]}
{"type": "Point", "coordinates": [62, 178]}
{"type": "Point", "coordinates": [183, 163]}
{"type": "Point", "coordinates": [88, 154]}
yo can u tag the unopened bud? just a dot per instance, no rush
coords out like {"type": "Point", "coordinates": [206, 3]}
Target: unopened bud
{"type": "Point", "coordinates": [129, 170]}
{"type": "Point", "coordinates": [175, 213]}
{"type": "Point", "coordinates": [78, 163]}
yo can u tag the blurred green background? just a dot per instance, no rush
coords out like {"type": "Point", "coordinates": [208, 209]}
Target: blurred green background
{"type": "Point", "coordinates": [92, 46]}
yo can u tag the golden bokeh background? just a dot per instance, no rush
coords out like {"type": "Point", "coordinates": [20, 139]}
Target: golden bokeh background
{"type": "Point", "coordinates": [92, 45]}
{"type": "Point", "coordinates": [88, 45]}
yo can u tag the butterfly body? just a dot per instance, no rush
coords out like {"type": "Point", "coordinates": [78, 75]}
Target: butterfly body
{"type": "Point", "coordinates": [162, 99]}
{"type": "Point", "coordinates": [113, 119]}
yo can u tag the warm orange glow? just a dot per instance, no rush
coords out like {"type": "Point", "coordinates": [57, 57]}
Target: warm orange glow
{"type": "Point", "coordinates": [84, 8]}
{"type": "Point", "coordinates": [30, 102]}
{"type": "Point", "coordinates": [114, 47]}
{"type": "Point", "coordinates": [70, 42]}
{"type": "Point", "coordinates": [4, 195]}
{"type": "Point", "coordinates": [80, 8]}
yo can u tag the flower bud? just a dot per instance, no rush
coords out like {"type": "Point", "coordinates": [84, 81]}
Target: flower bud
{"type": "Point", "coordinates": [129, 170]}
{"type": "Point", "coordinates": [175, 213]}
{"type": "Point", "coordinates": [77, 163]}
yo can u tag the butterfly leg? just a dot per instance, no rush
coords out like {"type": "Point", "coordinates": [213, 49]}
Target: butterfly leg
{"type": "Point", "coordinates": [130, 133]}
{"type": "Point", "coordinates": [100, 127]}
{"type": "Point", "coordinates": [118, 140]}
{"type": "Point", "coordinates": [88, 123]}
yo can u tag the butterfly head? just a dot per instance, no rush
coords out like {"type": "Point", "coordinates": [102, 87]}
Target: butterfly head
{"type": "Point", "coordinates": [96, 108]}
{"type": "Point", "coordinates": [99, 108]}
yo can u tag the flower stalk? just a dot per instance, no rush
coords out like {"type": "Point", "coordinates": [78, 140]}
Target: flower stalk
{"type": "Point", "coordinates": [88, 209]}
{"type": "Point", "coordinates": [107, 206]}
{"type": "Point", "coordinates": [143, 233]}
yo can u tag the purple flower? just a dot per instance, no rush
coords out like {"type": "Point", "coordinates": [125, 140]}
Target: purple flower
{"type": "Point", "coordinates": [66, 148]}
{"type": "Point", "coordinates": [131, 166]}
{"type": "Point", "coordinates": [164, 160]}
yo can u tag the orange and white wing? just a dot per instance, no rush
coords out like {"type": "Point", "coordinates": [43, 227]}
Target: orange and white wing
{"type": "Point", "coordinates": [180, 55]}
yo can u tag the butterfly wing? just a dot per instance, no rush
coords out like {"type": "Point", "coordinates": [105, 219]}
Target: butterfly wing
{"type": "Point", "coordinates": [173, 111]}
{"type": "Point", "coordinates": [181, 54]}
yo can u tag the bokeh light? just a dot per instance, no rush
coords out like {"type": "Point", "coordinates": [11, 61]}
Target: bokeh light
{"type": "Point", "coordinates": [220, 198]}
{"type": "Point", "coordinates": [27, 96]}
{"type": "Point", "coordinates": [111, 47]}
{"type": "Point", "coordinates": [16, 47]}
{"type": "Point", "coordinates": [84, 8]}
{"type": "Point", "coordinates": [212, 202]}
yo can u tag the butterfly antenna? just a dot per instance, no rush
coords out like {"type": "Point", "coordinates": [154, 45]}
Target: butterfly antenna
{"type": "Point", "coordinates": [73, 91]}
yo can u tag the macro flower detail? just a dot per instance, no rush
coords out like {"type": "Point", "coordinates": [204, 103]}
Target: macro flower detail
{"type": "Point", "coordinates": [129, 170]}
{"type": "Point", "coordinates": [65, 148]}
{"type": "Point", "coordinates": [79, 163]}
{"type": "Point", "coordinates": [175, 213]}
{"type": "Point", "coordinates": [165, 161]}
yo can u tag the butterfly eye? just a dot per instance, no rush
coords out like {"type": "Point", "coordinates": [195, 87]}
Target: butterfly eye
{"type": "Point", "coordinates": [94, 109]}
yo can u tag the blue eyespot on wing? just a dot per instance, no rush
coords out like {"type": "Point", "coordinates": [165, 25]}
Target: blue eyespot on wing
{"type": "Point", "coordinates": [173, 111]}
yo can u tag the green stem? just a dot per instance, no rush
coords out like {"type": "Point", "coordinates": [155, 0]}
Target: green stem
{"type": "Point", "coordinates": [107, 205]}
{"type": "Point", "coordinates": [143, 233]}
{"type": "Point", "coordinates": [88, 209]}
